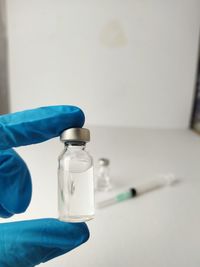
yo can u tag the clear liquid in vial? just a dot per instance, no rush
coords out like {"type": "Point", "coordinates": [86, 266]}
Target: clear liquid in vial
{"type": "Point", "coordinates": [76, 195]}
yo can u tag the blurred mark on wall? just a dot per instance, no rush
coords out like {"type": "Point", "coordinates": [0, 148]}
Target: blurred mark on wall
{"type": "Point", "coordinates": [195, 120]}
{"type": "Point", "coordinates": [113, 35]}
{"type": "Point", "coordinates": [4, 90]}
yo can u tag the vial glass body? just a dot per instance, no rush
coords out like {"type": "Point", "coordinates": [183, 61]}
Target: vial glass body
{"type": "Point", "coordinates": [75, 184]}
{"type": "Point", "coordinates": [103, 182]}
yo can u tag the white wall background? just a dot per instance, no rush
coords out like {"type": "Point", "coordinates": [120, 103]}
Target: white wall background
{"type": "Point", "coordinates": [129, 63]}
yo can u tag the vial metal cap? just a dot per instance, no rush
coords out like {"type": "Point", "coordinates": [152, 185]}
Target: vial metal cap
{"type": "Point", "coordinates": [75, 135]}
{"type": "Point", "coordinates": [104, 162]}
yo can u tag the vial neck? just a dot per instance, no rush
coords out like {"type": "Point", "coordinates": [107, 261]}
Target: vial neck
{"type": "Point", "coordinates": [104, 168]}
{"type": "Point", "coordinates": [75, 145]}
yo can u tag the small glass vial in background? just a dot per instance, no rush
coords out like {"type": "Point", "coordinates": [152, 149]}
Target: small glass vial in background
{"type": "Point", "coordinates": [103, 182]}
{"type": "Point", "coordinates": [75, 177]}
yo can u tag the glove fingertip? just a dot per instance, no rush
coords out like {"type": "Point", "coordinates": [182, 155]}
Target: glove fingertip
{"type": "Point", "coordinates": [86, 233]}
{"type": "Point", "coordinates": [79, 116]}
{"type": "Point", "coordinates": [80, 111]}
{"type": "Point", "coordinates": [4, 213]}
{"type": "Point", "coordinates": [79, 233]}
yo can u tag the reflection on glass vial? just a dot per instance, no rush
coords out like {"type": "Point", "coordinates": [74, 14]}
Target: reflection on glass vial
{"type": "Point", "coordinates": [103, 177]}
{"type": "Point", "coordinates": [75, 177]}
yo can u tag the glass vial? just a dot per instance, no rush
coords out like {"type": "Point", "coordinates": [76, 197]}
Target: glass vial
{"type": "Point", "coordinates": [103, 177]}
{"type": "Point", "coordinates": [75, 177]}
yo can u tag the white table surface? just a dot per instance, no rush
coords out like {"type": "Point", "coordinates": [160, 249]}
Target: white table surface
{"type": "Point", "coordinates": [158, 229]}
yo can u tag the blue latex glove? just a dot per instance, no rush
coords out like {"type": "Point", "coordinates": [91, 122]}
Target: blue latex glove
{"type": "Point", "coordinates": [28, 243]}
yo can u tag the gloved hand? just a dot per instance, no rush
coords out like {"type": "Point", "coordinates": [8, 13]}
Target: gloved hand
{"type": "Point", "coordinates": [28, 243]}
